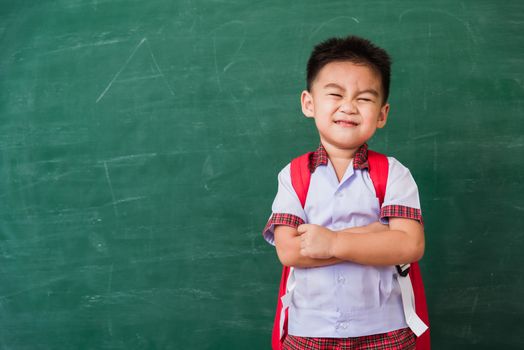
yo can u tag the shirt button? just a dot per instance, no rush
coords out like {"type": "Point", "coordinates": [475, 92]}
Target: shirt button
{"type": "Point", "coordinates": [341, 279]}
{"type": "Point", "coordinates": [344, 325]}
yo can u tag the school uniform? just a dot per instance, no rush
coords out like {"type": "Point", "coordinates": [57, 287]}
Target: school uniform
{"type": "Point", "coordinates": [346, 300]}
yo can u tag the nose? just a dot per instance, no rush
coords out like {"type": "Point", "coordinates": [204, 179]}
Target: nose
{"type": "Point", "coordinates": [348, 107]}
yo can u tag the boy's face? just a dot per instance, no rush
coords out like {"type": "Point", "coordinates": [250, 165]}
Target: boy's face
{"type": "Point", "coordinates": [346, 101]}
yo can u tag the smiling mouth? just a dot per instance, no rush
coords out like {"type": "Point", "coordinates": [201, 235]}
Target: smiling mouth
{"type": "Point", "coordinates": [346, 123]}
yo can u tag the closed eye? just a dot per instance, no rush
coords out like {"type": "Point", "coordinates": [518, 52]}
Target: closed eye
{"type": "Point", "coordinates": [336, 95]}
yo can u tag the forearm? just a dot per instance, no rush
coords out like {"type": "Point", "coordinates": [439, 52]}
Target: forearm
{"type": "Point", "coordinates": [287, 242]}
{"type": "Point", "coordinates": [402, 242]}
{"type": "Point", "coordinates": [292, 257]}
{"type": "Point", "coordinates": [379, 248]}
{"type": "Point", "coordinates": [373, 227]}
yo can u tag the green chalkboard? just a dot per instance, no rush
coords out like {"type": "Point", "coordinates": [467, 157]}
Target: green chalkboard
{"type": "Point", "coordinates": [140, 143]}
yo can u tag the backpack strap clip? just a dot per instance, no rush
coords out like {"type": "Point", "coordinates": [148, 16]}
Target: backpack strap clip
{"type": "Point", "coordinates": [403, 270]}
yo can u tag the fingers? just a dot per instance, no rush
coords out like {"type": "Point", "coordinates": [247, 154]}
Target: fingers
{"type": "Point", "coordinates": [304, 243]}
{"type": "Point", "coordinates": [302, 228]}
{"type": "Point", "coordinates": [303, 247]}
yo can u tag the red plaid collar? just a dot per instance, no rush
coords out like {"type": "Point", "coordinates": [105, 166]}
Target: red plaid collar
{"type": "Point", "coordinates": [320, 157]}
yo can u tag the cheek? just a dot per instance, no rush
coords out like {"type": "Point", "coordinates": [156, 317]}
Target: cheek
{"type": "Point", "coordinates": [322, 124]}
{"type": "Point", "coordinates": [328, 111]}
{"type": "Point", "coordinates": [323, 118]}
{"type": "Point", "coordinates": [371, 111]}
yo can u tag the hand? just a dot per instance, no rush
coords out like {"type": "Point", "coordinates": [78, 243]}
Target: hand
{"type": "Point", "coordinates": [316, 242]}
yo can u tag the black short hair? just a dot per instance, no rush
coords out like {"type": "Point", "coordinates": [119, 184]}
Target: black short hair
{"type": "Point", "coordinates": [352, 49]}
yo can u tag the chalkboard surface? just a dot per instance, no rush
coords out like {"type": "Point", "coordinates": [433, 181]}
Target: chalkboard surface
{"type": "Point", "coordinates": [140, 142]}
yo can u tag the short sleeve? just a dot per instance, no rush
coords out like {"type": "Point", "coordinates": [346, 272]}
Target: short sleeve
{"type": "Point", "coordinates": [402, 197]}
{"type": "Point", "coordinates": [286, 208]}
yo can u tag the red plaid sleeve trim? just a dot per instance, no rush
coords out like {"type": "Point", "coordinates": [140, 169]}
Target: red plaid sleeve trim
{"type": "Point", "coordinates": [400, 211]}
{"type": "Point", "coordinates": [283, 219]}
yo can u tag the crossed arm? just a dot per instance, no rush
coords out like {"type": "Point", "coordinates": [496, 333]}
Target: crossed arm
{"type": "Point", "coordinates": [400, 242]}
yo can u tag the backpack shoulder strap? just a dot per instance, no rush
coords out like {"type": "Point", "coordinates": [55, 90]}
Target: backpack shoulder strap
{"type": "Point", "coordinates": [280, 322]}
{"type": "Point", "coordinates": [378, 171]}
{"type": "Point", "coordinates": [301, 176]}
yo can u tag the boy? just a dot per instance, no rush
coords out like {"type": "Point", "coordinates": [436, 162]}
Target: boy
{"type": "Point", "coordinates": [342, 246]}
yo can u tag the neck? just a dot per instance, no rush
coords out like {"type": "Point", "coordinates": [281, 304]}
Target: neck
{"type": "Point", "coordinates": [339, 154]}
{"type": "Point", "coordinates": [340, 158]}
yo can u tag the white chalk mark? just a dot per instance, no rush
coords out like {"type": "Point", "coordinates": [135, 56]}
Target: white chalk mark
{"type": "Point", "coordinates": [50, 178]}
{"type": "Point", "coordinates": [110, 281]}
{"type": "Point", "coordinates": [110, 327]}
{"type": "Point", "coordinates": [129, 157]}
{"type": "Point", "coordinates": [322, 25]}
{"type": "Point", "coordinates": [229, 65]}
{"type": "Point", "coordinates": [475, 303]}
{"type": "Point", "coordinates": [145, 77]}
{"type": "Point", "coordinates": [225, 69]}
{"type": "Point", "coordinates": [81, 46]}
{"type": "Point", "coordinates": [159, 70]}
{"type": "Point", "coordinates": [111, 189]}
{"type": "Point", "coordinates": [120, 70]}
{"type": "Point", "coordinates": [216, 64]}
{"type": "Point", "coordinates": [33, 287]}
{"type": "Point", "coordinates": [222, 25]}
{"type": "Point", "coordinates": [194, 293]}
{"type": "Point", "coordinates": [424, 136]}
{"type": "Point", "coordinates": [435, 161]}
{"type": "Point", "coordinates": [149, 248]}
{"type": "Point", "coordinates": [130, 199]}
{"type": "Point", "coordinates": [464, 23]}
{"type": "Point", "coordinates": [239, 47]}
{"type": "Point", "coordinates": [425, 95]}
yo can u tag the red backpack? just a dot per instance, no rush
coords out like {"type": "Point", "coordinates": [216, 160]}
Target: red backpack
{"type": "Point", "coordinates": [378, 171]}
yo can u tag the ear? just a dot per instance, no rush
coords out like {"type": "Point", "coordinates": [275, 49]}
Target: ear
{"type": "Point", "coordinates": [383, 116]}
{"type": "Point", "coordinates": [306, 100]}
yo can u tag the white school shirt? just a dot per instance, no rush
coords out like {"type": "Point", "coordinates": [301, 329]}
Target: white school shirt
{"type": "Point", "coordinates": [346, 299]}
